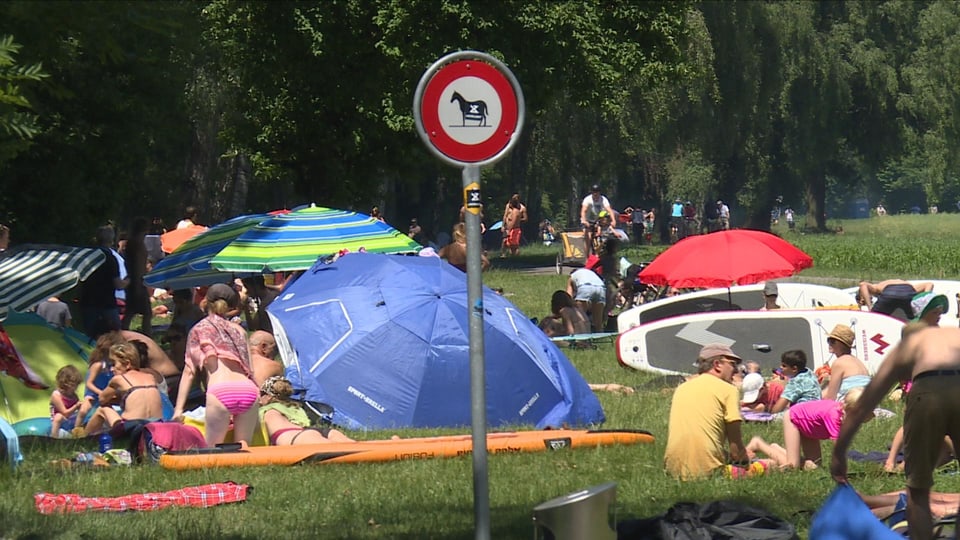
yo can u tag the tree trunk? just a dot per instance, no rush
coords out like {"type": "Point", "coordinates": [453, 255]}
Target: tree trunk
{"type": "Point", "coordinates": [815, 195]}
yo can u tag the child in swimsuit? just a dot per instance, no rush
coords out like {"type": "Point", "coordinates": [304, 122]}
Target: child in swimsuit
{"type": "Point", "coordinates": [99, 373]}
{"type": "Point", "coordinates": [64, 402]}
{"type": "Point", "coordinates": [284, 423]}
{"type": "Point", "coordinates": [220, 348]}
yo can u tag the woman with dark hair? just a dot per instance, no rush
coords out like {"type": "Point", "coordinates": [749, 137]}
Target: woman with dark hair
{"type": "Point", "coordinates": [565, 318]}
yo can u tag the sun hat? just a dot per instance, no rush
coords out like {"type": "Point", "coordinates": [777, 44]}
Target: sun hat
{"type": "Point", "coordinates": [843, 334]}
{"type": "Point", "coordinates": [222, 291]}
{"type": "Point", "coordinates": [925, 302]}
{"type": "Point", "coordinates": [770, 288]}
{"type": "Point", "coordinates": [751, 386]}
{"type": "Point", "coordinates": [711, 350]}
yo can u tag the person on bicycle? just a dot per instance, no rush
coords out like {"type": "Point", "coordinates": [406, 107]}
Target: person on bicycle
{"type": "Point", "coordinates": [590, 210]}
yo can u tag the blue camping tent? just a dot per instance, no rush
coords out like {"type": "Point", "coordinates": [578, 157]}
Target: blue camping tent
{"type": "Point", "coordinates": [384, 340]}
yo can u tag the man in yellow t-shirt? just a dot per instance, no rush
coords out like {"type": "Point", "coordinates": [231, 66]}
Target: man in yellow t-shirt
{"type": "Point", "coordinates": [705, 418]}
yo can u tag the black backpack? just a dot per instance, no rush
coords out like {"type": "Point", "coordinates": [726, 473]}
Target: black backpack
{"type": "Point", "coordinates": [710, 521]}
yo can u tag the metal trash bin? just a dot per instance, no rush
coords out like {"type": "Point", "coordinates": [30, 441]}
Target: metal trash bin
{"type": "Point", "coordinates": [583, 515]}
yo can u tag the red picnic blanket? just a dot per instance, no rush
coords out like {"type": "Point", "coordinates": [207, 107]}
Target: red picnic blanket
{"type": "Point", "coordinates": [198, 496]}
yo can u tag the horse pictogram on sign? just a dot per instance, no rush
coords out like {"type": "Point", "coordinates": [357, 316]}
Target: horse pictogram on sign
{"type": "Point", "coordinates": [469, 110]}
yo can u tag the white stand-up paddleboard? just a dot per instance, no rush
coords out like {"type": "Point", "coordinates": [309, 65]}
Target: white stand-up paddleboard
{"type": "Point", "coordinates": [670, 346]}
{"type": "Point", "coordinates": [948, 288]}
{"type": "Point", "coordinates": [790, 295]}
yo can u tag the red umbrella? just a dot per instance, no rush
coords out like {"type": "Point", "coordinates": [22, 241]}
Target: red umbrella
{"type": "Point", "coordinates": [725, 258]}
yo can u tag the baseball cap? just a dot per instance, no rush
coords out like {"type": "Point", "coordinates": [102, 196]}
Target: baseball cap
{"type": "Point", "coordinates": [221, 291]}
{"type": "Point", "coordinates": [751, 386]}
{"type": "Point", "coordinates": [770, 288]}
{"type": "Point", "coordinates": [711, 350]}
{"type": "Point", "coordinates": [595, 187]}
{"type": "Point", "coordinates": [843, 334]}
{"type": "Point", "coordinates": [925, 302]}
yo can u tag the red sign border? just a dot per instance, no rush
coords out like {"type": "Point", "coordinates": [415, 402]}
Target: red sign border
{"type": "Point", "coordinates": [502, 133]}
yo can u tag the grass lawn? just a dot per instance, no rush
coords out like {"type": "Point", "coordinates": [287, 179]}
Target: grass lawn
{"type": "Point", "coordinates": [434, 499]}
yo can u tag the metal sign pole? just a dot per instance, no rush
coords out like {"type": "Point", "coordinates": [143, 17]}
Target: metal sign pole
{"type": "Point", "coordinates": [469, 109]}
{"type": "Point", "coordinates": [478, 384]}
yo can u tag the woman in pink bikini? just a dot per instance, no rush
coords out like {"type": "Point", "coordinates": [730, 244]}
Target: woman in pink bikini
{"type": "Point", "coordinates": [219, 347]}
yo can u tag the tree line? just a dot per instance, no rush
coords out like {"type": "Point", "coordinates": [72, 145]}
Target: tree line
{"type": "Point", "coordinates": [111, 110]}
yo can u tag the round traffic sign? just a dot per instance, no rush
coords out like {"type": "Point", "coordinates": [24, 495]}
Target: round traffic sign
{"type": "Point", "coordinates": [468, 108]}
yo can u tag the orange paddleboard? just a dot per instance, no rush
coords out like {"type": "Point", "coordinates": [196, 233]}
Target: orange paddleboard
{"type": "Point", "coordinates": [401, 449]}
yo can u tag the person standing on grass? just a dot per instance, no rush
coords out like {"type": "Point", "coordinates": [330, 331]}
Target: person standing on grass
{"type": "Point", "coordinates": [189, 218]}
{"type": "Point", "coordinates": [514, 216]}
{"type": "Point", "coordinates": [723, 212]}
{"type": "Point", "coordinates": [137, 299]}
{"type": "Point", "coordinates": [704, 433]}
{"type": "Point", "coordinates": [587, 290]}
{"type": "Point", "coordinates": [98, 300]}
{"type": "Point", "coordinates": [931, 358]}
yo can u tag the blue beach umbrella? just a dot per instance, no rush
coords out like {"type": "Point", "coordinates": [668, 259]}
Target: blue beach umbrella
{"type": "Point", "coordinates": [384, 340]}
{"type": "Point", "coordinates": [294, 241]}
{"type": "Point", "coordinates": [189, 264]}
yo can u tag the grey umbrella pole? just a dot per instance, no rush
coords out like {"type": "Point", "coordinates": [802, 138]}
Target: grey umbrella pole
{"type": "Point", "coordinates": [478, 386]}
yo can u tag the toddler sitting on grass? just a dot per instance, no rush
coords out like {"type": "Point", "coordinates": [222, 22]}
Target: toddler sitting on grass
{"type": "Point", "coordinates": [64, 402]}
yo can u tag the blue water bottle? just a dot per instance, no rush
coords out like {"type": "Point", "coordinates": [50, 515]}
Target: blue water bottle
{"type": "Point", "coordinates": [106, 443]}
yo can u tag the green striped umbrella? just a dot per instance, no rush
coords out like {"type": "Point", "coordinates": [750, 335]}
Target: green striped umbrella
{"type": "Point", "coordinates": [189, 264]}
{"type": "Point", "coordinates": [295, 240]}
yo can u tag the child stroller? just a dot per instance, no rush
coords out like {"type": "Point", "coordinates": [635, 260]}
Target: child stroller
{"type": "Point", "coordinates": [573, 250]}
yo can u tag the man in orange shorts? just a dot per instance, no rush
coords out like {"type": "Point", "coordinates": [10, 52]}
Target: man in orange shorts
{"type": "Point", "coordinates": [514, 215]}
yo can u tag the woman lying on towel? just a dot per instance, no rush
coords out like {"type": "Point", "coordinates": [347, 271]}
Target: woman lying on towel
{"type": "Point", "coordinates": [284, 423]}
{"type": "Point", "coordinates": [135, 391]}
{"type": "Point", "coordinates": [882, 506]}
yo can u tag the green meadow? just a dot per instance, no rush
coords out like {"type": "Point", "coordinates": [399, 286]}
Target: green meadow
{"type": "Point", "coordinates": [434, 499]}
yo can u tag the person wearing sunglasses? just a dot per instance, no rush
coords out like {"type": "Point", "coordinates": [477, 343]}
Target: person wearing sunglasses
{"type": "Point", "coordinates": [704, 434]}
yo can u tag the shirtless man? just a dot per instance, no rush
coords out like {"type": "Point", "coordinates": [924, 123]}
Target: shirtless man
{"type": "Point", "coordinates": [455, 252]}
{"type": "Point", "coordinates": [514, 215]}
{"type": "Point", "coordinates": [891, 294]}
{"type": "Point", "coordinates": [931, 358]}
{"type": "Point", "coordinates": [263, 350]}
{"type": "Point", "coordinates": [159, 361]}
